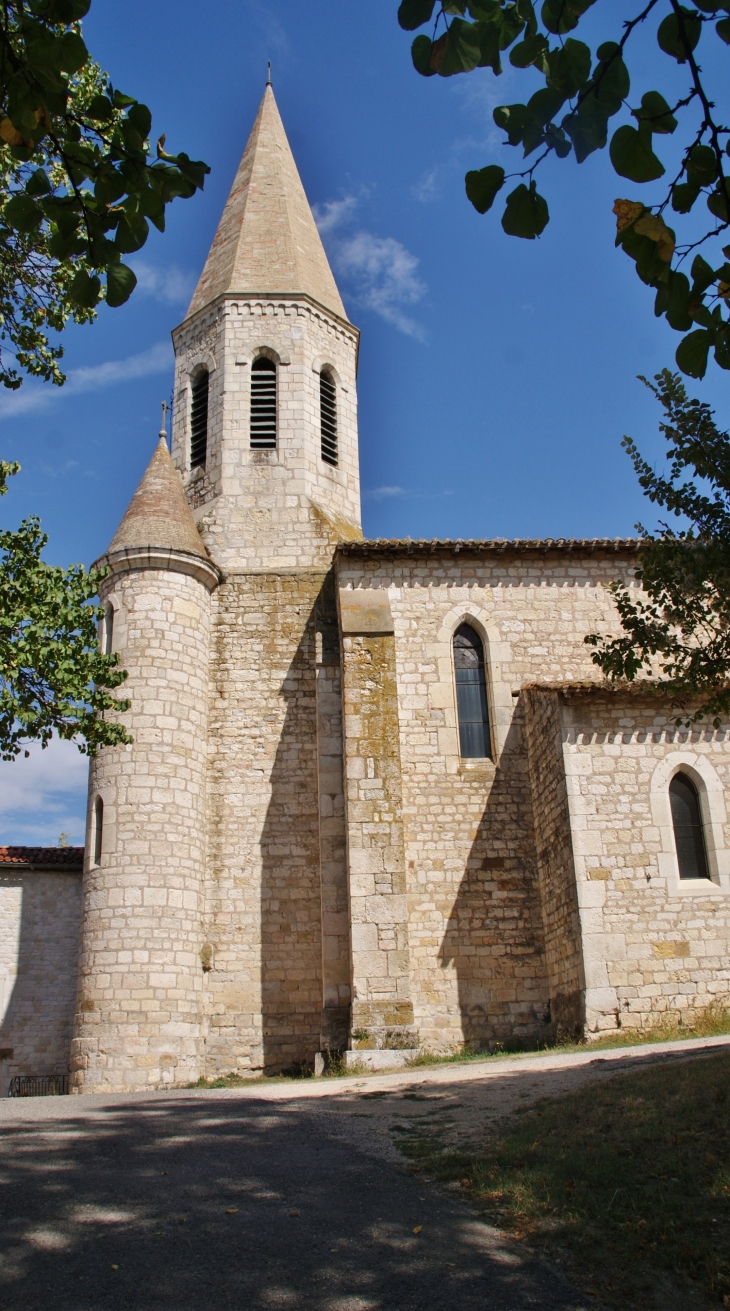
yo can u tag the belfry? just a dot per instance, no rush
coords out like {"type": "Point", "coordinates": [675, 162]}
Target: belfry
{"type": "Point", "coordinates": [377, 799]}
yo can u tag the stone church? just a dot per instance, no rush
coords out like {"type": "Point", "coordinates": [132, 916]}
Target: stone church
{"type": "Point", "coordinates": [378, 798]}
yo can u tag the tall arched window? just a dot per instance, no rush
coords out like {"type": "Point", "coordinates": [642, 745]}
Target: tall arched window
{"type": "Point", "coordinates": [108, 628]}
{"type": "Point", "coordinates": [263, 405]}
{"type": "Point", "coordinates": [199, 420]}
{"type": "Point", "coordinates": [98, 829]}
{"type": "Point", "coordinates": [689, 837]}
{"type": "Point", "coordinates": [328, 416]}
{"type": "Point", "coordinates": [471, 694]}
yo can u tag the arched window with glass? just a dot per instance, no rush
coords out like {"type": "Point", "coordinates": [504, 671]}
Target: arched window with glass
{"type": "Point", "coordinates": [199, 419]}
{"type": "Point", "coordinates": [263, 404]}
{"type": "Point", "coordinates": [471, 695]}
{"type": "Point", "coordinates": [689, 835]}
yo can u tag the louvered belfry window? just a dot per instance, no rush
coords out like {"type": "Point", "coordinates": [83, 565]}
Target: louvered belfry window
{"type": "Point", "coordinates": [199, 420]}
{"type": "Point", "coordinates": [263, 405]}
{"type": "Point", "coordinates": [328, 417]}
{"type": "Point", "coordinates": [471, 694]}
{"type": "Point", "coordinates": [689, 837]}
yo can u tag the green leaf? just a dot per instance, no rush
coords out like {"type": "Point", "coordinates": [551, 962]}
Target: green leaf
{"type": "Point", "coordinates": [678, 292]}
{"type": "Point", "coordinates": [533, 50]}
{"type": "Point", "coordinates": [669, 36]}
{"type": "Point", "coordinates": [718, 205]}
{"type": "Point", "coordinates": [723, 30]}
{"type": "Point", "coordinates": [100, 109]}
{"type": "Point", "coordinates": [462, 50]}
{"type": "Point", "coordinates": [588, 128]}
{"type": "Point", "coordinates": [569, 67]}
{"type": "Point", "coordinates": [482, 186]}
{"type": "Point", "coordinates": [489, 47]}
{"type": "Point", "coordinates": [38, 183]}
{"type": "Point", "coordinates": [414, 13]}
{"type": "Point", "coordinates": [703, 275]}
{"type": "Point", "coordinates": [561, 16]}
{"type": "Point", "coordinates": [421, 55]}
{"type": "Point", "coordinates": [722, 348]}
{"type": "Point", "coordinates": [84, 290]}
{"type": "Point", "coordinates": [513, 120]}
{"type": "Point", "coordinates": [701, 166]}
{"type": "Point", "coordinates": [656, 113]}
{"type": "Point", "coordinates": [510, 27]}
{"type": "Point", "coordinates": [131, 236]}
{"type": "Point", "coordinates": [120, 283]}
{"type": "Point", "coordinates": [141, 119]}
{"type": "Point", "coordinates": [684, 195]}
{"type": "Point", "coordinates": [692, 353]}
{"type": "Point", "coordinates": [70, 53]}
{"type": "Point", "coordinates": [22, 213]}
{"type": "Point", "coordinates": [556, 139]}
{"type": "Point", "coordinates": [632, 157]}
{"type": "Point", "coordinates": [526, 213]}
{"type": "Point", "coordinates": [541, 108]}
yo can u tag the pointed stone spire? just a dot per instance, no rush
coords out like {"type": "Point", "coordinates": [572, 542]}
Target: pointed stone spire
{"type": "Point", "coordinates": [159, 515]}
{"type": "Point", "coordinates": [267, 240]}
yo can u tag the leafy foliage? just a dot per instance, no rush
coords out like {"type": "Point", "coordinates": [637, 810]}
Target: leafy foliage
{"type": "Point", "coordinates": [53, 677]}
{"type": "Point", "coordinates": [680, 625]}
{"type": "Point", "coordinates": [570, 114]}
{"type": "Point", "coordinates": [78, 184]}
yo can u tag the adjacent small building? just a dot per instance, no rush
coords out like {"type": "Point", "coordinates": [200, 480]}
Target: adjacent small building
{"type": "Point", "coordinates": [377, 797]}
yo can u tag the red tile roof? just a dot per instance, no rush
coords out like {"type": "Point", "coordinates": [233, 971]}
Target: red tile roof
{"type": "Point", "coordinates": [36, 857]}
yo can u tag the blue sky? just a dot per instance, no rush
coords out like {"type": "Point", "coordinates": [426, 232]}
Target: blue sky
{"type": "Point", "coordinates": [497, 376]}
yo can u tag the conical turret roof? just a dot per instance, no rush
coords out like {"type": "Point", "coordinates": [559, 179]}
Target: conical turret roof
{"type": "Point", "coordinates": [267, 240]}
{"type": "Point", "coordinates": [159, 514]}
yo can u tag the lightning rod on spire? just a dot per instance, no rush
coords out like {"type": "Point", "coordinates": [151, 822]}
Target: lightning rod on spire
{"type": "Point", "coordinates": [268, 75]}
{"type": "Point", "coordinates": [163, 426]}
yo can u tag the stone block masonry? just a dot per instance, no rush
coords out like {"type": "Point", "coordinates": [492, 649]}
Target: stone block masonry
{"type": "Point", "coordinates": [274, 734]}
{"type": "Point", "coordinates": [40, 928]}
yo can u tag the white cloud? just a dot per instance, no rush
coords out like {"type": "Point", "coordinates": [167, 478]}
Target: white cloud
{"type": "Point", "coordinates": [97, 377]}
{"type": "Point", "coordinates": [44, 796]}
{"type": "Point", "coordinates": [426, 189]}
{"type": "Point", "coordinates": [382, 493]}
{"type": "Point", "coordinates": [383, 273]}
{"type": "Point", "coordinates": [334, 212]}
{"type": "Point", "coordinates": [171, 286]}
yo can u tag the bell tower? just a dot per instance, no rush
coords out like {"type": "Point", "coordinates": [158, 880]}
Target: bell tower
{"type": "Point", "coordinates": [265, 407]}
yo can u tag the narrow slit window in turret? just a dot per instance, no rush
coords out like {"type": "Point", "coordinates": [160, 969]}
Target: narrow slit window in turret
{"type": "Point", "coordinates": [328, 417]}
{"type": "Point", "coordinates": [263, 405]}
{"type": "Point", "coordinates": [199, 420]}
{"type": "Point", "coordinates": [98, 829]}
{"type": "Point", "coordinates": [471, 694]}
{"type": "Point", "coordinates": [689, 838]}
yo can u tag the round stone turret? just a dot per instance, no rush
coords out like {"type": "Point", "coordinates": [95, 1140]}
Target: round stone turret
{"type": "Point", "coordinates": [143, 960]}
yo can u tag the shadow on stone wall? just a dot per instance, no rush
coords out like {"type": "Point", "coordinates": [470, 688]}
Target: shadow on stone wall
{"type": "Point", "coordinates": [494, 936]}
{"type": "Point", "coordinates": [38, 1021]}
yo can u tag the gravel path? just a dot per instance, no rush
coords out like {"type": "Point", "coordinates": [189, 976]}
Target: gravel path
{"type": "Point", "coordinates": [288, 1196]}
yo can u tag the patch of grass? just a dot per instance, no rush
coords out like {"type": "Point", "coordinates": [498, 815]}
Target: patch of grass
{"type": "Point", "coordinates": [711, 1022]}
{"type": "Point", "coordinates": [627, 1181]}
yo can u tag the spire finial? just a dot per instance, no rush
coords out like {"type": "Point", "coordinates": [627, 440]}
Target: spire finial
{"type": "Point", "coordinates": [163, 426]}
{"type": "Point", "coordinates": [268, 75]}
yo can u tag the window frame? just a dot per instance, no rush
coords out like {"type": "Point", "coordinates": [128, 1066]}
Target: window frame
{"type": "Point", "coordinates": [695, 795]}
{"type": "Point", "coordinates": [97, 845]}
{"type": "Point", "coordinates": [201, 371]}
{"type": "Point", "coordinates": [263, 355]}
{"type": "Point", "coordinates": [326, 374]}
{"type": "Point", "coordinates": [702, 774]}
{"type": "Point", "coordinates": [471, 762]}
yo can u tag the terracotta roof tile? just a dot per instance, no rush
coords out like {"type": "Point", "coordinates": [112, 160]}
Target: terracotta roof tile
{"type": "Point", "coordinates": [58, 857]}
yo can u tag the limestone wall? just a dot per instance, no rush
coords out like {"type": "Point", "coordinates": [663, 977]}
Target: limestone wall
{"type": "Point", "coordinates": [40, 924]}
{"type": "Point", "coordinates": [141, 976]}
{"type": "Point", "coordinates": [475, 923]}
{"type": "Point", "coordinates": [264, 900]}
{"type": "Point", "coordinates": [654, 945]}
{"type": "Point", "coordinates": [556, 868]}
{"type": "Point", "coordinates": [269, 509]}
